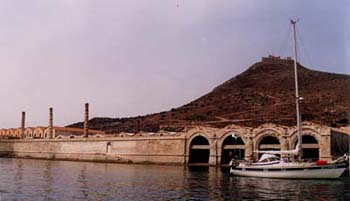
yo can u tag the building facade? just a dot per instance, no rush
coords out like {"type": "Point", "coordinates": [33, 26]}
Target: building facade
{"type": "Point", "coordinates": [195, 145]}
{"type": "Point", "coordinates": [42, 132]}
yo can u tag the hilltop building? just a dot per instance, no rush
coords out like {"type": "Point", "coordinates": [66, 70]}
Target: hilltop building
{"type": "Point", "coordinates": [277, 59]}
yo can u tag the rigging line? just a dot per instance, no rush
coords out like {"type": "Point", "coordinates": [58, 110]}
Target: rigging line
{"type": "Point", "coordinates": [347, 48]}
{"type": "Point", "coordinates": [284, 44]}
{"type": "Point", "coordinates": [304, 50]}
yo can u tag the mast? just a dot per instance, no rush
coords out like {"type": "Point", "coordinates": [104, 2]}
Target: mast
{"type": "Point", "coordinates": [297, 97]}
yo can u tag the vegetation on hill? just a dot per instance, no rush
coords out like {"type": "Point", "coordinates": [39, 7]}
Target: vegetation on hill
{"type": "Point", "coordinates": [263, 93]}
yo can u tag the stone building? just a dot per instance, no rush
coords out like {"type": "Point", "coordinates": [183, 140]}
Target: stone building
{"type": "Point", "coordinates": [217, 146]}
{"type": "Point", "coordinates": [195, 145]}
{"type": "Point", "coordinates": [42, 132]}
{"type": "Point", "coordinates": [276, 59]}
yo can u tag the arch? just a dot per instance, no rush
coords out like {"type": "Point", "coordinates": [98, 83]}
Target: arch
{"type": "Point", "coordinates": [199, 150]}
{"type": "Point", "coordinates": [28, 133]}
{"type": "Point", "coordinates": [18, 133]}
{"type": "Point", "coordinates": [108, 147]}
{"type": "Point", "coordinates": [2, 133]}
{"type": "Point", "coordinates": [267, 131]}
{"type": "Point", "coordinates": [38, 132]}
{"type": "Point", "coordinates": [232, 146]}
{"type": "Point", "coordinates": [268, 142]}
{"type": "Point", "coordinates": [264, 133]}
{"type": "Point", "coordinates": [46, 133]}
{"type": "Point", "coordinates": [230, 133]}
{"type": "Point", "coordinates": [305, 131]}
{"type": "Point", "coordinates": [10, 132]}
{"type": "Point", "coordinates": [196, 133]}
{"type": "Point", "coordinates": [311, 147]}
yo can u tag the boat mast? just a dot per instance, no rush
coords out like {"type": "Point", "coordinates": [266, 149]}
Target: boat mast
{"type": "Point", "coordinates": [297, 98]}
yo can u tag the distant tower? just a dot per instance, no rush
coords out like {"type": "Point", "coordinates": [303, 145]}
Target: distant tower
{"type": "Point", "coordinates": [50, 122]}
{"type": "Point", "coordinates": [23, 123]}
{"type": "Point", "coordinates": [86, 121]}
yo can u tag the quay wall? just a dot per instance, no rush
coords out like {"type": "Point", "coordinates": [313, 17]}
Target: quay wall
{"type": "Point", "coordinates": [121, 150]}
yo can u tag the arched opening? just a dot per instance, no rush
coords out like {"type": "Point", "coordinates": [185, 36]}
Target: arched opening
{"type": "Point", "coordinates": [37, 133]}
{"type": "Point", "coordinates": [310, 147]}
{"type": "Point", "coordinates": [108, 148]}
{"type": "Point", "coordinates": [232, 147]}
{"type": "Point", "coordinates": [18, 133]}
{"type": "Point", "coordinates": [199, 150]}
{"type": "Point", "coordinates": [269, 143]}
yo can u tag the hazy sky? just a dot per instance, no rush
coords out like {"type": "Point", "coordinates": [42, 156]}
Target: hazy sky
{"type": "Point", "coordinates": [135, 57]}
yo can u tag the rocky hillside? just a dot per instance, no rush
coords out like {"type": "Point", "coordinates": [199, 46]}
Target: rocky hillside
{"type": "Point", "coordinates": [263, 93]}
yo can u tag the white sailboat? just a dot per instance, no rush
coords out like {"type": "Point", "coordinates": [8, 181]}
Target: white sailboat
{"type": "Point", "coordinates": [271, 166]}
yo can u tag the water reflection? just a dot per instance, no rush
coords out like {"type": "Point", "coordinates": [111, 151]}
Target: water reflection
{"type": "Point", "coordinates": [48, 181]}
{"type": "Point", "coordinates": [60, 180]}
{"type": "Point", "coordinates": [18, 176]}
{"type": "Point", "coordinates": [82, 180]}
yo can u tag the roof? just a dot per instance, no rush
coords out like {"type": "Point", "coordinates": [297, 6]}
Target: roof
{"type": "Point", "coordinates": [265, 156]}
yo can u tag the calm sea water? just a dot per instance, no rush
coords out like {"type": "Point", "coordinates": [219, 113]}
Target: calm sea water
{"type": "Point", "coordinates": [61, 180]}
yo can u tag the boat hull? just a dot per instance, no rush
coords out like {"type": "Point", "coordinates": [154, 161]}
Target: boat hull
{"type": "Point", "coordinates": [317, 172]}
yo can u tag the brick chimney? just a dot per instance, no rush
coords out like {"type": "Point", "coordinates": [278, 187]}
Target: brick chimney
{"type": "Point", "coordinates": [86, 121]}
{"type": "Point", "coordinates": [50, 122]}
{"type": "Point", "coordinates": [23, 123]}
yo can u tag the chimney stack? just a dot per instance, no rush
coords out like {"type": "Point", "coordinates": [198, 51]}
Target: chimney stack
{"type": "Point", "coordinates": [50, 122]}
{"type": "Point", "coordinates": [86, 123]}
{"type": "Point", "coordinates": [138, 126]}
{"type": "Point", "coordinates": [23, 123]}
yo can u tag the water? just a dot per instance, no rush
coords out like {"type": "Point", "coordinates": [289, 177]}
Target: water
{"type": "Point", "coordinates": [61, 180]}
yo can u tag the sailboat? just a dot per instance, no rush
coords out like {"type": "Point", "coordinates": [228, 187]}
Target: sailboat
{"type": "Point", "coordinates": [272, 166]}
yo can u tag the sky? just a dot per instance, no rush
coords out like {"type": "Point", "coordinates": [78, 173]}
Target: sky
{"type": "Point", "coordinates": [132, 57]}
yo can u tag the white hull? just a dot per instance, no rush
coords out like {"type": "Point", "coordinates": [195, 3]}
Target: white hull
{"type": "Point", "coordinates": [328, 172]}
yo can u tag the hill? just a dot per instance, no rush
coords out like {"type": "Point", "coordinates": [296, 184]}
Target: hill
{"type": "Point", "coordinates": [263, 93]}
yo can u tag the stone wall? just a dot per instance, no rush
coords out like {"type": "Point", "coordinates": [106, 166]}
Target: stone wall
{"type": "Point", "coordinates": [125, 150]}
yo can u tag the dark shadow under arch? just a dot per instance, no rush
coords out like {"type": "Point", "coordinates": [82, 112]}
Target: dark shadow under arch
{"type": "Point", "coordinates": [232, 147]}
{"type": "Point", "coordinates": [269, 143]}
{"type": "Point", "coordinates": [199, 150]}
{"type": "Point", "coordinates": [310, 146]}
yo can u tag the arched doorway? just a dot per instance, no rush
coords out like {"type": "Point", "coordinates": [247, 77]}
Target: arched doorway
{"type": "Point", "coordinates": [199, 150]}
{"type": "Point", "coordinates": [232, 147]}
{"type": "Point", "coordinates": [310, 147]}
{"type": "Point", "coordinates": [269, 143]}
